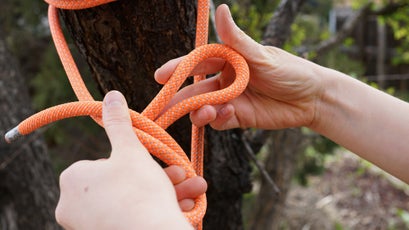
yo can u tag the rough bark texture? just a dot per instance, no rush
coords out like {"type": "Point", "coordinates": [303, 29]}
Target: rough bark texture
{"type": "Point", "coordinates": [123, 43]}
{"type": "Point", "coordinates": [28, 188]}
{"type": "Point", "coordinates": [227, 172]}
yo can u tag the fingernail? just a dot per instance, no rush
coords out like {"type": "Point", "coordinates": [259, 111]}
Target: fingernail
{"type": "Point", "coordinates": [114, 99]}
{"type": "Point", "coordinates": [157, 71]}
{"type": "Point", "coordinates": [228, 11]}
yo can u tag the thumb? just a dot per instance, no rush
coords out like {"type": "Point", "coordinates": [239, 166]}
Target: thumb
{"type": "Point", "coordinates": [117, 122]}
{"type": "Point", "coordinates": [232, 35]}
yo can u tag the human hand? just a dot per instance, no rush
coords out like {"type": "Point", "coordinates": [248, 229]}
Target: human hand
{"type": "Point", "coordinates": [129, 190]}
{"type": "Point", "coordinates": [282, 91]}
{"type": "Point", "coordinates": [186, 189]}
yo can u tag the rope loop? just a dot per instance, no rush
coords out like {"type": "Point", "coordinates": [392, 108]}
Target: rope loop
{"type": "Point", "coordinates": [77, 4]}
{"type": "Point", "coordinates": [150, 125]}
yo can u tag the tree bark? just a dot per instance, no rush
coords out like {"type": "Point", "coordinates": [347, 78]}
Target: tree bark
{"type": "Point", "coordinates": [279, 28]}
{"type": "Point", "coordinates": [124, 42]}
{"type": "Point", "coordinates": [28, 188]}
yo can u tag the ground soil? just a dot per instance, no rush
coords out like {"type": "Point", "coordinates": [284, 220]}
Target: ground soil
{"type": "Point", "coordinates": [351, 194]}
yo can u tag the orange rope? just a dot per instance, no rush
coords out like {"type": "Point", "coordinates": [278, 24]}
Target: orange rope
{"type": "Point", "coordinates": [202, 30]}
{"type": "Point", "coordinates": [150, 125]}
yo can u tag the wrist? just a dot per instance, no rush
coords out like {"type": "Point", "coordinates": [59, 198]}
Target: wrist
{"type": "Point", "coordinates": [154, 218]}
{"type": "Point", "coordinates": [165, 213]}
{"type": "Point", "coordinates": [175, 221]}
{"type": "Point", "coordinates": [332, 99]}
{"type": "Point", "coordinates": [324, 96]}
{"type": "Point", "coordinates": [339, 108]}
{"type": "Point", "coordinates": [161, 214]}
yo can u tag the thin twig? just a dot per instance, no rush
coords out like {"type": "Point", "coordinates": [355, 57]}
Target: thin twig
{"type": "Point", "coordinates": [259, 165]}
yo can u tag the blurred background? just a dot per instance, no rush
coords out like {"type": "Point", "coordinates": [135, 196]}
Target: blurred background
{"type": "Point", "coordinates": [329, 188]}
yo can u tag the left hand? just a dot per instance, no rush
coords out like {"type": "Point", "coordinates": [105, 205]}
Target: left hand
{"type": "Point", "coordinates": [129, 190]}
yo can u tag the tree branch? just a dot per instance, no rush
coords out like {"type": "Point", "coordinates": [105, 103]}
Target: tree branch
{"type": "Point", "coordinates": [351, 23]}
{"type": "Point", "coordinates": [342, 34]}
{"type": "Point", "coordinates": [259, 165]}
{"type": "Point", "coordinates": [389, 8]}
{"type": "Point", "coordinates": [279, 27]}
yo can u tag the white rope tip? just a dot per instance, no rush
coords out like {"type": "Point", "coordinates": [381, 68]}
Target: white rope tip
{"type": "Point", "coordinates": [12, 135]}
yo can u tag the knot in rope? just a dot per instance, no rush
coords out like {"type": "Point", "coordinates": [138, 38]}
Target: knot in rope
{"type": "Point", "coordinates": [149, 125]}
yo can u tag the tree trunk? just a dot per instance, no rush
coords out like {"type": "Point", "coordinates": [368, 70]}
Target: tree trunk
{"type": "Point", "coordinates": [283, 147]}
{"type": "Point", "coordinates": [28, 188]}
{"type": "Point", "coordinates": [124, 42]}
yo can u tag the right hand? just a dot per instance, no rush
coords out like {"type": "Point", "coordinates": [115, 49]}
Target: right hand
{"type": "Point", "coordinates": [282, 92]}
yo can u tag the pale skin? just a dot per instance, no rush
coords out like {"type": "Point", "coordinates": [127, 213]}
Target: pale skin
{"type": "Point", "coordinates": [284, 91]}
{"type": "Point", "coordinates": [287, 91]}
{"type": "Point", "coordinates": [129, 190]}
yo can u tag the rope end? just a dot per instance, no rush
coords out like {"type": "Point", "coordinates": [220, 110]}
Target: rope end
{"type": "Point", "coordinates": [12, 135]}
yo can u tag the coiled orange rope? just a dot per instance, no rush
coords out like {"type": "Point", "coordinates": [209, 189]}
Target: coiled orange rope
{"type": "Point", "coordinates": [150, 125]}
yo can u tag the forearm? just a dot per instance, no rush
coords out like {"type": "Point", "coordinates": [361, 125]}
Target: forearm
{"type": "Point", "coordinates": [366, 121]}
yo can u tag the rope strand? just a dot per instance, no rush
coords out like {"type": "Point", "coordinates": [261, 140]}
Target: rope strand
{"type": "Point", "coordinates": [149, 125]}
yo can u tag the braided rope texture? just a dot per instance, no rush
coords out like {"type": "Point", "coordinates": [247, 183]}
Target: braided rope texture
{"type": "Point", "coordinates": [149, 125]}
{"type": "Point", "coordinates": [197, 139]}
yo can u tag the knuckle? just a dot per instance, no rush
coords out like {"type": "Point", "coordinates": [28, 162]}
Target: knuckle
{"type": "Point", "coordinates": [60, 214]}
{"type": "Point", "coordinates": [116, 118]}
{"type": "Point", "coordinates": [70, 175]}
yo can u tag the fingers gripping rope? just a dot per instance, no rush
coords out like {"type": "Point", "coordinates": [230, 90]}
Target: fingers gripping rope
{"type": "Point", "coordinates": [150, 125]}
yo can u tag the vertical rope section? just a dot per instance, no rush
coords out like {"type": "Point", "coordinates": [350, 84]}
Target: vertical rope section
{"type": "Point", "coordinates": [202, 31]}
{"type": "Point", "coordinates": [149, 125]}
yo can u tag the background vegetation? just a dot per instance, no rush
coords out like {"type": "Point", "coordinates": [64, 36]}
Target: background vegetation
{"type": "Point", "coordinates": [23, 23]}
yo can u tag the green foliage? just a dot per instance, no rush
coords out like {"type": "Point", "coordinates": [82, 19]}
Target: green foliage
{"type": "Point", "coordinates": [248, 206]}
{"type": "Point", "coordinates": [297, 38]}
{"type": "Point", "coordinates": [348, 42]}
{"type": "Point", "coordinates": [363, 167]}
{"type": "Point", "coordinates": [312, 164]}
{"type": "Point", "coordinates": [308, 30]}
{"type": "Point", "coordinates": [335, 59]}
{"type": "Point", "coordinates": [338, 226]}
{"type": "Point", "coordinates": [404, 216]}
{"type": "Point", "coordinates": [320, 8]}
{"type": "Point", "coordinates": [22, 23]}
{"type": "Point", "coordinates": [399, 22]}
{"type": "Point", "coordinates": [22, 15]}
{"type": "Point", "coordinates": [252, 19]}
{"type": "Point", "coordinates": [404, 95]}
{"type": "Point", "coordinates": [50, 85]}
{"type": "Point", "coordinates": [313, 159]}
{"type": "Point", "coordinates": [357, 4]}
{"type": "Point", "coordinates": [310, 27]}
